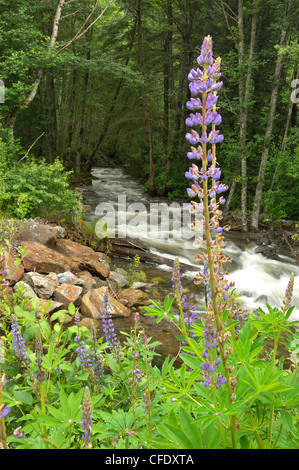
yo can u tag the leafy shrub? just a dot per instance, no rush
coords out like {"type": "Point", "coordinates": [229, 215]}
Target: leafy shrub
{"type": "Point", "coordinates": [34, 189]}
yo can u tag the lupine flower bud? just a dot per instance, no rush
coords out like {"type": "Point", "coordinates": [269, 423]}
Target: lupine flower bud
{"type": "Point", "coordinates": [288, 294]}
{"type": "Point", "coordinates": [86, 420]}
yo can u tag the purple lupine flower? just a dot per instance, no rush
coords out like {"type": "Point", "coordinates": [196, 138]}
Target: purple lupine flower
{"type": "Point", "coordinates": [108, 327]}
{"type": "Point", "coordinates": [19, 343]}
{"type": "Point", "coordinates": [86, 419]}
{"type": "Point", "coordinates": [83, 354]}
{"type": "Point", "coordinates": [4, 410]}
{"type": "Point", "coordinates": [41, 376]}
{"type": "Point", "coordinates": [3, 272]}
{"type": "Point", "coordinates": [208, 367]}
{"type": "Point", "coordinates": [18, 433]}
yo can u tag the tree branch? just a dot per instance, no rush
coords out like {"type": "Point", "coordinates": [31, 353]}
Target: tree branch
{"type": "Point", "coordinates": [80, 32]}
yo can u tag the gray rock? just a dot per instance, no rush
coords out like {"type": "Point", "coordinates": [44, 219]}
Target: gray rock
{"type": "Point", "coordinates": [25, 289]}
{"type": "Point", "coordinates": [138, 285]}
{"type": "Point", "coordinates": [70, 278]}
{"type": "Point", "coordinates": [118, 278]}
{"type": "Point", "coordinates": [43, 285]}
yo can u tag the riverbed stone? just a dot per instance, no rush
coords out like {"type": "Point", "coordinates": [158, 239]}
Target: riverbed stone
{"type": "Point", "coordinates": [44, 260]}
{"type": "Point", "coordinates": [81, 258]}
{"type": "Point", "coordinates": [118, 278]}
{"type": "Point", "coordinates": [49, 306]}
{"type": "Point", "coordinates": [25, 289]}
{"type": "Point", "coordinates": [92, 305]}
{"type": "Point", "coordinates": [67, 293]}
{"type": "Point", "coordinates": [70, 278]}
{"type": "Point", "coordinates": [133, 298]}
{"type": "Point", "coordinates": [41, 233]}
{"type": "Point", "coordinates": [43, 285]}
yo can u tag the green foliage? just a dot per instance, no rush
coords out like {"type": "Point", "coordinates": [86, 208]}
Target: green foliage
{"type": "Point", "coordinates": [135, 274]}
{"type": "Point", "coordinates": [34, 189]}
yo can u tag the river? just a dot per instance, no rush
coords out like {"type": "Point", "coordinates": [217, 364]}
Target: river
{"type": "Point", "coordinates": [258, 280]}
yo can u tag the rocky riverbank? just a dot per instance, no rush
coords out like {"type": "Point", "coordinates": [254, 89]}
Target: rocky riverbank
{"type": "Point", "coordinates": [58, 270]}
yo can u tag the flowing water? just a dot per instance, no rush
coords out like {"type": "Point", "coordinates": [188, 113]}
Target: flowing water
{"type": "Point", "coordinates": [129, 208]}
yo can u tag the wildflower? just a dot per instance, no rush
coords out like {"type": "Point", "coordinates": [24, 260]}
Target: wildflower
{"type": "Point", "coordinates": [4, 411]}
{"type": "Point", "coordinates": [86, 420]}
{"type": "Point", "coordinates": [41, 376]}
{"type": "Point", "coordinates": [288, 294]}
{"type": "Point", "coordinates": [3, 272]}
{"type": "Point", "coordinates": [208, 367]}
{"type": "Point", "coordinates": [18, 433]}
{"type": "Point", "coordinates": [19, 343]}
{"type": "Point", "coordinates": [108, 327]}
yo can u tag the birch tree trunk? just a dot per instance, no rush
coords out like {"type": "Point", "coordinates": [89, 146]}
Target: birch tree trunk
{"type": "Point", "coordinates": [268, 133]}
{"type": "Point", "coordinates": [39, 76]}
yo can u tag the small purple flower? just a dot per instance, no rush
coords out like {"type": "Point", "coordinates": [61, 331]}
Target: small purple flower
{"type": "Point", "coordinates": [4, 411]}
{"type": "Point", "coordinates": [19, 343]}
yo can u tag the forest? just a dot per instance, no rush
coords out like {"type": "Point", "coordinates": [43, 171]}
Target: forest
{"type": "Point", "coordinates": [105, 83]}
{"type": "Point", "coordinates": [118, 344]}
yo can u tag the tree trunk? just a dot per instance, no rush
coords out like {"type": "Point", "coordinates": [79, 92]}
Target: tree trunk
{"type": "Point", "coordinates": [244, 95]}
{"type": "Point", "coordinates": [272, 109]}
{"type": "Point", "coordinates": [39, 76]}
{"type": "Point", "coordinates": [67, 156]}
{"type": "Point", "coordinates": [147, 112]}
{"type": "Point", "coordinates": [167, 48]}
{"type": "Point", "coordinates": [286, 132]}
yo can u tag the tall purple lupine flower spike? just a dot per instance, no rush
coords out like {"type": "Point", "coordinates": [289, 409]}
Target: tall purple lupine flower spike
{"type": "Point", "coordinates": [19, 343]}
{"type": "Point", "coordinates": [204, 176]}
{"type": "Point", "coordinates": [108, 327]}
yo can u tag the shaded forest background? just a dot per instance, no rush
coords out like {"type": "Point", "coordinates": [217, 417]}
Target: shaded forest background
{"type": "Point", "coordinates": [105, 83]}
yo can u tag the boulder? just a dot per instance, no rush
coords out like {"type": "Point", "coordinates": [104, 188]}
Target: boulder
{"type": "Point", "coordinates": [118, 278]}
{"type": "Point", "coordinates": [92, 305]}
{"type": "Point", "coordinates": [41, 233]}
{"type": "Point", "coordinates": [67, 293]}
{"type": "Point", "coordinates": [70, 278]}
{"type": "Point", "coordinates": [43, 285]}
{"type": "Point", "coordinates": [44, 260]}
{"type": "Point", "coordinates": [14, 273]}
{"type": "Point", "coordinates": [88, 281]}
{"type": "Point", "coordinates": [25, 289]}
{"type": "Point", "coordinates": [138, 285]}
{"type": "Point", "coordinates": [81, 258]}
{"type": "Point", "coordinates": [49, 306]}
{"type": "Point", "coordinates": [133, 298]}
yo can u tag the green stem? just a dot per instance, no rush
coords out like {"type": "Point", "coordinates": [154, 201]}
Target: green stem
{"type": "Point", "coordinates": [43, 410]}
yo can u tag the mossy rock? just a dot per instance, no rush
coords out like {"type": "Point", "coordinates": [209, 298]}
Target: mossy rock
{"type": "Point", "coordinates": [159, 280]}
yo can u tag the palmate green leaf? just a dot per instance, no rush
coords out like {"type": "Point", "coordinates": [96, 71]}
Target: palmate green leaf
{"type": "Point", "coordinates": [176, 435]}
{"type": "Point", "coordinates": [23, 397]}
{"type": "Point", "coordinates": [190, 429]}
